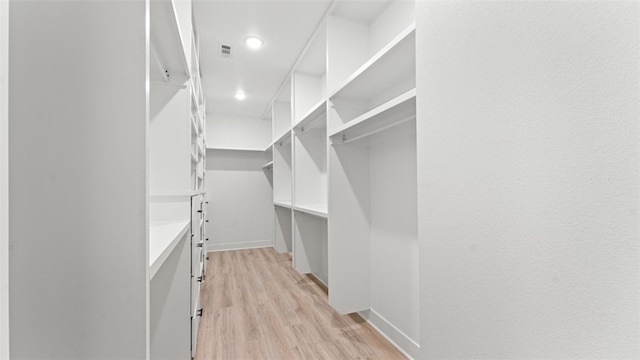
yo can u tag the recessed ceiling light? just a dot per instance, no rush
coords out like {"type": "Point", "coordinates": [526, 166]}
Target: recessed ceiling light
{"type": "Point", "coordinates": [253, 42]}
{"type": "Point", "coordinates": [240, 95]}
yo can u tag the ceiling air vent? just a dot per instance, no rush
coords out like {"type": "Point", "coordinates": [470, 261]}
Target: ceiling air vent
{"type": "Point", "coordinates": [225, 50]}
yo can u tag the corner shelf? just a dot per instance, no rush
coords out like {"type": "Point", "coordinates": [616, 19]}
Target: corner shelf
{"type": "Point", "coordinates": [394, 112]}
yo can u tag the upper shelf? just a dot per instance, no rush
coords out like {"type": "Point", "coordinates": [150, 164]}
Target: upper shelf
{"type": "Point", "coordinates": [393, 62]}
{"type": "Point", "coordinates": [283, 139]}
{"type": "Point", "coordinates": [284, 204]}
{"type": "Point", "coordinates": [166, 43]}
{"type": "Point", "coordinates": [314, 118]}
{"type": "Point", "coordinates": [234, 149]}
{"type": "Point", "coordinates": [173, 195]}
{"type": "Point", "coordinates": [394, 112]}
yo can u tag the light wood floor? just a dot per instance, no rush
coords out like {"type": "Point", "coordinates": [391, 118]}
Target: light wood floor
{"type": "Point", "coordinates": [257, 307]}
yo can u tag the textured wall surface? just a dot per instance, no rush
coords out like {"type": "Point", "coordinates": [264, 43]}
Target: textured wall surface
{"type": "Point", "coordinates": [528, 179]}
{"type": "Point", "coordinates": [78, 286]}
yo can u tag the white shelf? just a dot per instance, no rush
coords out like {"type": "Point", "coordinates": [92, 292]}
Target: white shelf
{"type": "Point", "coordinates": [314, 118]}
{"type": "Point", "coordinates": [268, 165]}
{"type": "Point", "coordinates": [316, 210]}
{"type": "Point", "coordinates": [383, 69]}
{"type": "Point", "coordinates": [173, 195]}
{"type": "Point", "coordinates": [284, 139]}
{"type": "Point", "coordinates": [393, 112]}
{"type": "Point", "coordinates": [284, 204]}
{"type": "Point", "coordinates": [166, 42]}
{"type": "Point", "coordinates": [234, 149]}
{"type": "Point", "coordinates": [163, 238]}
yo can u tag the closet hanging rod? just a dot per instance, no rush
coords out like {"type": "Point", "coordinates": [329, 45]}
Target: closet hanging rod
{"type": "Point", "coordinates": [346, 139]}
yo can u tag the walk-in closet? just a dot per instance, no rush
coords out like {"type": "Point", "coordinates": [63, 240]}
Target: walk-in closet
{"type": "Point", "coordinates": [319, 179]}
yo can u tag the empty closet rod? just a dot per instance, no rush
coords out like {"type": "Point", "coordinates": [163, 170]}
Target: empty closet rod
{"type": "Point", "coordinates": [346, 140]}
{"type": "Point", "coordinates": [163, 72]}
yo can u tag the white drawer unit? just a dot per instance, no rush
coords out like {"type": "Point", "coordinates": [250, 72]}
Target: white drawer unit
{"type": "Point", "coordinates": [197, 263]}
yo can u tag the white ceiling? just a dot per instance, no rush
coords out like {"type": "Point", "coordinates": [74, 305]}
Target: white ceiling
{"type": "Point", "coordinates": [284, 26]}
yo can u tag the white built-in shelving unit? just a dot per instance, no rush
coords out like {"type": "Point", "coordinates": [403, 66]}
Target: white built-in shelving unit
{"type": "Point", "coordinates": [282, 169]}
{"type": "Point", "coordinates": [177, 155]}
{"type": "Point", "coordinates": [310, 209]}
{"type": "Point", "coordinates": [344, 165]}
{"type": "Point", "coordinates": [372, 167]}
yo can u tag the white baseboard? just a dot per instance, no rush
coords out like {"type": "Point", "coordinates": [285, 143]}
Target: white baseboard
{"type": "Point", "coordinates": [239, 245]}
{"type": "Point", "coordinates": [402, 342]}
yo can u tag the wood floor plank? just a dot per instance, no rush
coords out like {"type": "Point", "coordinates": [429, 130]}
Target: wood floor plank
{"type": "Point", "coordinates": [258, 307]}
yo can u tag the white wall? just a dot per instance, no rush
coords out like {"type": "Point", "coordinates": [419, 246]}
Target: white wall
{"type": "Point", "coordinates": [240, 208]}
{"type": "Point", "coordinates": [228, 131]}
{"type": "Point", "coordinates": [4, 190]}
{"type": "Point", "coordinates": [528, 179]}
{"type": "Point", "coordinates": [77, 180]}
